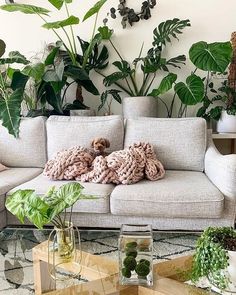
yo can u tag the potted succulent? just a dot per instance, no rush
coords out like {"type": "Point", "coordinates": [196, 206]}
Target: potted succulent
{"type": "Point", "coordinates": [141, 99]}
{"type": "Point", "coordinates": [215, 258]}
{"type": "Point", "coordinates": [51, 208]}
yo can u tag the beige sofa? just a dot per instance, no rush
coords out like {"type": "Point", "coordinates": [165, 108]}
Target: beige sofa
{"type": "Point", "coordinates": [199, 188]}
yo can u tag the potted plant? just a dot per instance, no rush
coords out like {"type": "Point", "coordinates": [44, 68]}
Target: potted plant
{"type": "Point", "coordinates": [141, 99]}
{"type": "Point", "coordinates": [51, 208]}
{"type": "Point", "coordinates": [75, 68]}
{"type": "Point", "coordinates": [215, 258]}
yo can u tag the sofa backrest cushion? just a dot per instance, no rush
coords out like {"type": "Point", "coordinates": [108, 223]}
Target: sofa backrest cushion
{"type": "Point", "coordinates": [180, 144]}
{"type": "Point", "coordinates": [29, 149]}
{"type": "Point", "coordinates": [65, 132]}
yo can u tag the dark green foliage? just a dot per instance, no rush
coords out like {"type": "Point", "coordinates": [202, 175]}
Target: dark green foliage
{"type": "Point", "coordinates": [130, 263]}
{"type": "Point", "coordinates": [142, 269]}
{"type": "Point", "coordinates": [126, 272]}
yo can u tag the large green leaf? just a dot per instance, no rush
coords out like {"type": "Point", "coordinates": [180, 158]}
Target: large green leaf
{"type": "Point", "coordinates": [14, 57]}
{"type": "Point", "coordinates": [36, 210]}
{"type": "Point", "coordinates": [192, 92]}
{"type": "Point", "coordinates": [25, 8]}
{"type": "Point", "coordinates": [165, 85]}
{"type": "Point", "coordinates": [16, 203]}
{"type": "Point", "coordinates": [211, 57]}
{"type": "Point", "coordinates": [2, 47]}
{"type": "Point", "coordinates": [114, 77]}
{"type": "Point", "coordinates": [114, 93]}
{"type": "Point", "coordinates": [72, 20]}
{"type": "Point", "coordinates": [105, 32]}
{"type": "Point", "coordinates": [34, 71]}
{"type": "Point", "coordinates": [169, 29]}
{"type": "Point", "coordinates": [10, 109]}
{"type": "Point", "coordinates": [95, 9]}
{"type": "Point", "coordinates": [52, 54]}
{"type": "Point", "coordinates": [19, 80]}
{"type": "Point", "coordinates": [57, 3]}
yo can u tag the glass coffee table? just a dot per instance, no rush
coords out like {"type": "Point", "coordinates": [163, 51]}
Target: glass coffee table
{"type": "Point", "coordinates": [100, 249]}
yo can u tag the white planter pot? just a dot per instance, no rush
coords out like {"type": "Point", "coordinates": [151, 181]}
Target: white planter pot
{"type": "Point", "coordinates": [227, 123]}
{"type": "Point", "coordinates": [82, 113]}
{"type": "Point", "coordinates": [232, 270]}
{"type": "Point", "coordinates": [139, 106]}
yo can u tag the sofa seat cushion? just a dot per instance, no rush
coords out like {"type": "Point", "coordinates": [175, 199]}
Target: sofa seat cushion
{"type": "Point", "coordinates": [13, 177]}
{"type": "Point", "coordinates": [179, 194]}
{"type": "Point", "coordinates": [42, 184]}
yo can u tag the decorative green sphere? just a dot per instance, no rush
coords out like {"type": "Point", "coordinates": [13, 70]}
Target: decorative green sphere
{"type": "Point", "coordinates": [145, 261]}
{"type": "Point", "coordinates": [142, 270]}
{"type": "Point", "coordinates": [131, 245]}
{"type": "Point", "coordinates": [126, 272]}
{"type": "Point", "coordinates": [132, 253]}
{"type": "Point", "coordinates": [130, 263]}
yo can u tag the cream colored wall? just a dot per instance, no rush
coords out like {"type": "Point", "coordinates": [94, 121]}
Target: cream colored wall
{"type": "Point", "coordinates": [212, 20]}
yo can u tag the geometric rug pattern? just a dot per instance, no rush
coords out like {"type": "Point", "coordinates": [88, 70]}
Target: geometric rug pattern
{"type": "Point", "coordinates": [16, 271]}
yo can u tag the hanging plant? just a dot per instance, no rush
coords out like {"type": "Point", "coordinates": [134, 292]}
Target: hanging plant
{"type": "Point", "coordinates": [129, 15]}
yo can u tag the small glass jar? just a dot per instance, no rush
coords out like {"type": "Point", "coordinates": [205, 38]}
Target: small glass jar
{"type": "Point", "coordinates": [135, 255]}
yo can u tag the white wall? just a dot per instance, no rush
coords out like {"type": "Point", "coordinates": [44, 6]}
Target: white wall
{"type": "Point", "coordinates": [212, 20]}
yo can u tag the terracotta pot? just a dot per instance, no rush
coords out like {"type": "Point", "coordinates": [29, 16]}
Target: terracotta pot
{"type": "Point", "coordinates": [139, 106]}
{"type": "Point", "coordinates": [226, 124]}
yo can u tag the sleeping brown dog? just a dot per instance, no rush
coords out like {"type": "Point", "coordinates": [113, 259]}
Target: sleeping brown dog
{"type": "Point", "coordinates": [99, 145]}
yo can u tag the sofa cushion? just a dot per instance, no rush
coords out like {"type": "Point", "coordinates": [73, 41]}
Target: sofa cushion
{"type": "Point", "coordinates": [66, 132]}
{"type": "Point", "coordinates": [42, 184]}
{"type": "Point", "coordinates": [29, 150]}
{"type": "Point", "coordinates": [12, 178]}
{"type": "Point", "coordinates": [186, 194]}
{"type": "Point", "coordinates": [179, 143]}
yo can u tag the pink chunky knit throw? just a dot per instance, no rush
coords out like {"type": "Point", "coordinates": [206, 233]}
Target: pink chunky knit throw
{"type": "Point", "coordinates": [126, 166]}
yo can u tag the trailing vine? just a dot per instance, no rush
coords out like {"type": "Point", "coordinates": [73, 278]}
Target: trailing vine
{"type": "Point", "coordinates": [129, 15]}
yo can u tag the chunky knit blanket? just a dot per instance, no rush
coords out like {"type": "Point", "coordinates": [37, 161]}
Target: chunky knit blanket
{"type": "Point", "coordinates": [126, 166]}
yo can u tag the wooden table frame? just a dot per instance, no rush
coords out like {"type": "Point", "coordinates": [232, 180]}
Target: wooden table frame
{"type": "Point", "coordinates": [103, 278]}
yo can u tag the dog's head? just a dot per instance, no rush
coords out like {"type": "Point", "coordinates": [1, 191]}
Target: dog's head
{"type": "Point", "coordinates": [100, 144]}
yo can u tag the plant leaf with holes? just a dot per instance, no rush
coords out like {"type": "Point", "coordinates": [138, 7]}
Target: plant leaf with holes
{"type": "Point", "coordinates": [192, 92]}
{"type": "Point", "coordinates": [169, 29]}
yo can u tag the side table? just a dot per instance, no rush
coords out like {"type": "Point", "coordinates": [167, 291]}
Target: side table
{"type": "Point", "coordinates": [230, 136]}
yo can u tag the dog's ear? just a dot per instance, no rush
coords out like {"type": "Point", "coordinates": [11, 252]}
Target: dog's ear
{"type": "Point", "coordinates": [92, 143]}
{"type": "Point", "coordinates": [107, 142]}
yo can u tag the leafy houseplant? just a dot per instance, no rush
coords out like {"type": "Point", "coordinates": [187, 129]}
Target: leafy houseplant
{"type": "Point", "coordinates": [76, 69]}
{"type": "Point", "coordinates": [11, 92]}
{"type": "Point", "coordinates": [212, 257]}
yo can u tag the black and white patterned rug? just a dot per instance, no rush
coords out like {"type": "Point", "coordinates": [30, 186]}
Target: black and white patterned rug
{"type": "Point", "coordinates": [16, 273]}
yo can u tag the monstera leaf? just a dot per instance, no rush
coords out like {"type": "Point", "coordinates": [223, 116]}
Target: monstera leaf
{"type": "Point", "coordinates": [211, 57]}
{"type": "Point", "coordinates": [192, 92]}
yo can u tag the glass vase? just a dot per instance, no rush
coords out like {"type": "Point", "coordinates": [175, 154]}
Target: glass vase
{"type": "Point", "coordinates": [135, 255]}
{"type": "Point", "coordinates": [63, 250]}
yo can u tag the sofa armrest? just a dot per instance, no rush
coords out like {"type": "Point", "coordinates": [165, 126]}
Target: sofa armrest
{"type": "Point", "coordinates": [221, 170]}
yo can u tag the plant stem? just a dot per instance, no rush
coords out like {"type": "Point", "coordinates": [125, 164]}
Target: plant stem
{"type": "Point", "coordinates": [130, 75]}
{"type": "Point", "coordinates": [71, 29]}
{"type": "Point", "coordinates": [168, 113]}
{"type": "Point", "coordinates": [141, 91]}
{"type": "Point", "coordinates": [172, 105]}
{"type": "Point", "coordinates": [207, 82]}
{"type": "Point", "coordinates": [117, 84]}
{"type": "Point", "coordinates": [88, 51]}
{"type": "Point", "coordinates": [71, 46]}
{"type": "Point", "coordinates": [150, 84]}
